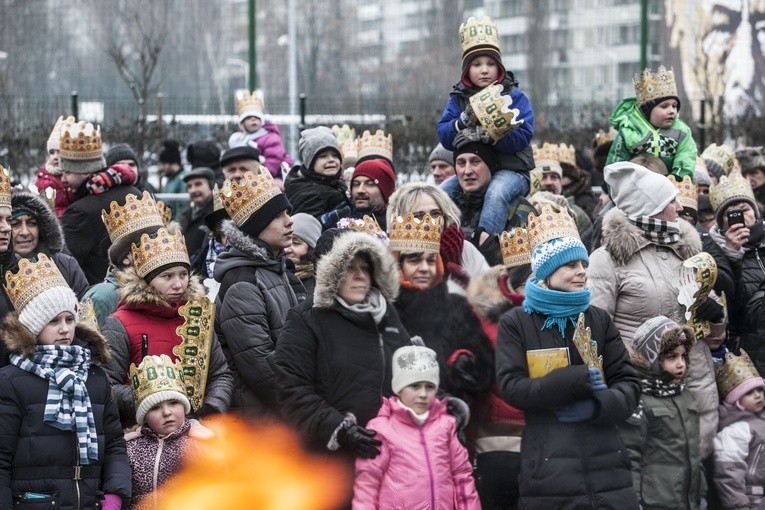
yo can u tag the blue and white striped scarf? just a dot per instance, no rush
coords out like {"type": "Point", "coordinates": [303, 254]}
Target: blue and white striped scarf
{"type": "Point", "coordinates": [68, 404]}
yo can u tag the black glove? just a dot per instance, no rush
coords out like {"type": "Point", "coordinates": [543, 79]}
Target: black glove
{"type": "Point", "coordinates": [710, 310]}
{"type": "Point", "coordinates": [490, 248]}
{"type": "Point", "coordinates": [465, 368]}
{"type": "Point", "coordinates": [461, 412]}
{"type": "Point", "coordinates": [205, 410]}
{"type": "Point", "coordinates": [360, 441]}
{"type": "Point", "coordinates": [330, 219]}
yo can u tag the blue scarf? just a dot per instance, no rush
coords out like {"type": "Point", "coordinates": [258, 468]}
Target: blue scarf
{"type": "Point", "coordinates": [559, 307]}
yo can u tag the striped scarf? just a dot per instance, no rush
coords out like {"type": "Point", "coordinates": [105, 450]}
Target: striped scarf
{"type": "Point", "coordinates": [68, 404]}
{"type": "Point", "coordinates": [658, 231]}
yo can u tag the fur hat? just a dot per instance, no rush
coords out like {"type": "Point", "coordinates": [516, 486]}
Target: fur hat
{"type": "Point", "coordinates": [656, 337]}
{"type": "Point", "coordinates": [439, 153]}
{"type": "Point", "coordinates": [170, 152]}
{"type": "Point", "coordinates": [314, 141]}
{"type": "Point", "coordinates": [482, 150]}
{"type": "Point", "coordinates": [120, 152]}
{"type": "Point", "coordinates": [637, 191]}
{"type": "Point", "coordinates": [307, 228]}
{"type": "Point", "coordinates": [413, 364]}
{"type": "Point", "coordinates": [751, 159]}
{"type": "Point", "coordinates": [203, 153]}
{"type": "Point", "coordinates": [379, 171]}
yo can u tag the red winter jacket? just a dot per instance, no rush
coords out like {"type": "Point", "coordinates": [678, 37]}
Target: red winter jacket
{"type": "Point", "coordinates": [64, 195]}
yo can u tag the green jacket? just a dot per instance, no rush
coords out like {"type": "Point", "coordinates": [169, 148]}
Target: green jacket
{"type": "Point", "coordinates": [105, 296]}
{"type": "Point", "coordinates": [175, 184]}
{"type": "Point", "coordinates": [675, 146]}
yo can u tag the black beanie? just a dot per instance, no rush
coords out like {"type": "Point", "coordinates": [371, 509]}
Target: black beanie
{"type": "Point", "coordinates": [482, 150]}
{"type": "Point", "coordinates": [646, 108]}
{"type": "Point", "coordinates": [153, 274]}
{"type": "Point", "coordinates": [203, 153]}
{"type": "Point", "coordinates": [120, 152]}
{"type": "Point", "coordinates": [170, 152]}
{"type": "Point", "coordinates": [260, 219]}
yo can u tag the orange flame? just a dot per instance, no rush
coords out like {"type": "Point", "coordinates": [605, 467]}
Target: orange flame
{"type": "Point", "coordinates": [245, 466]}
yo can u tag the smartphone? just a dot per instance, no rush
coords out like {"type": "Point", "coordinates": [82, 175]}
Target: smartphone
{"type": "Point", "coordinates": [735, 216]}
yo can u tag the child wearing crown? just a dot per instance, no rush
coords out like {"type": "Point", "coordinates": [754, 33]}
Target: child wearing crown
{"type": "Point", "coordinates": [419, 442]}
{"type": "Point", "coordinates": [62, 444]}
{"type": "Point", "coordinates": [257, 132]}
{"type": "Point", "coordinates": [156, 451]}
{"type": "Point", "coordinates": [649, 124]}
{"type": "Point", "coordinates": [481, 67]}
{"type": "Point", "coordinates": [739, 472]}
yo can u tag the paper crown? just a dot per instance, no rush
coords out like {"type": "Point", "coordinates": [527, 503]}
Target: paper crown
{"type": "Point", "coordinates": [346, 138]}
{"type": "Point", "coordinates": [535, 178]}
{"type": "Point", "coordinates": [696, 278]}
{"type": "Point", "coordinates": [602, 137]}
{"type": "Point", "coordinates": [494, 111]}
{"type": "Point", "coordinates": [547, 157]}
{"type": "Point", "coordinates": [410, 235]}
{"type": "Point", "coordinates": [515, 248]}
{"type": "Point", "coordinates": [567, 154]}
{"type": "Point", "coordinates": [249, 103]}
{"type": "Point", "coordinates": [196, 334]}
{"type": "Point", "coordinates": [87, 317]}
{"type": "Point", "coordinates": [80, 142]}
{"type": "Point", "coordinates": [551, 223]}
{"type": "Point", "coordinates": [730, 188]}
{"type": "Point", "coordinates": [735, 370]}
{"type": "Point", "coordinates": [157, 250]}
{"type": "Point", "coordinates": [5, 187]}
{"type": "Point", "coordinates": [55, 135]}
{"type": "Point", "coordinates": [155, 374]}
{"type": "Point", "coordinates": [217, 201]}
{"type": "Point", "coordinates": [48, 195]}
{"type": "Point", "coordinates": [165, 212]}
{"type": "Point", "coordinates": [367, 224]}
{"type": "Point", "coordinates": [376, 144]}
{"type": "Point", "coordinates": [687, 195]}
{"type": "Point", "coordinates": [650, 86]}
{"type": "Point", "coordinates": [478, 33]}
{"type": "Point", "coordinates": [32, 279]}
{"type": "Point", "coordinates": [722, 155]}
{"type": "Point", "coordinates": [242, 199]}
{"type": "Point", "coordinates": [135, 215]}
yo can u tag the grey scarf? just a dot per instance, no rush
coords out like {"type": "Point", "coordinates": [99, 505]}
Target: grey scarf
{"type": "Point", "coordinates": [374, 303]}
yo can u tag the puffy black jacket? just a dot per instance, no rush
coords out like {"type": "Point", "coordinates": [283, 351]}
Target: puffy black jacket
{"type": "Point", "coordinates": [314, 194]}
{"type": "Point", "coordinates": [749, 326]}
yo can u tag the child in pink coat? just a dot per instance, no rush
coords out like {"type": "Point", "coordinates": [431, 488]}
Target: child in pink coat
{"type": "Point", "coordinates": [421, 463]}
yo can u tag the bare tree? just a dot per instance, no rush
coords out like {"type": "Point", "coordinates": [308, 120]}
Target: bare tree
{"type": "Point", "coordinates": [538, 51]}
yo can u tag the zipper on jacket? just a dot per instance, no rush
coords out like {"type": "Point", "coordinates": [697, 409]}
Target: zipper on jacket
{"type": "Point", "coordinates": [384, 363]}
{"type": "Point", "coordinates": [144, 345]}
{"type": "Point", "coordinates": [155, 479]}
{"type": "Point", "coordinates": [77, 472]}
{"type": "Point", "coordinates": [755, 461]}
{"type": "Point", "coordinates": [759, 260]}
{"type": "Point", "coordinates": [654, 136]}
{"type": "Point", "coordinates": [430, 469]}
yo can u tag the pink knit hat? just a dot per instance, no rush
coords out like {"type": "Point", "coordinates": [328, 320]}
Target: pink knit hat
{"type": "Point", "coordinates": [744, 388]}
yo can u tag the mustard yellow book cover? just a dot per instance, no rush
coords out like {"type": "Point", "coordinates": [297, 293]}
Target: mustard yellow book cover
{"type": "Point", "coordinates": [543, 361]}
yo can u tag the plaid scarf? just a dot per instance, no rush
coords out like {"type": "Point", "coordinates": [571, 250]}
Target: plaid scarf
{"type": "Point", "coordinates": [67, 406]}
{"type": "Point", "coordinates": [103, 181]}
{"type": "Point", "coordinates": [658, 231]}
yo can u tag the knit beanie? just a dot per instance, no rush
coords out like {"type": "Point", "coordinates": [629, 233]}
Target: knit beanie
{"type": "Point", "coordinates": [637, 191]}
{"type": "Point", "coordinates": [441, 154]}
{"type": "Point", "coordinates": [646, 108]}
{"type": "Point", "coordinates": [379, 171]}
{"type": "Point", "coordinates": [548, 257]}
{"type": "Point", "coordinates": [307, 228]}
{"type": "Point", "coordinates": [170, 152]}
{"type": "Point", "coordinates": [260, 219]}
{"type": "Point", "coordinates": [166, 389]}
{"type": "Point", "coordinates": [203, 153]}
{"type": "Point", "coordinates": [120, 152]}
{"type": "Point", "coordinates": [482, 150]}
{"type": "Point", "coordinates": [157, 398]}
{"type": "Point", "coordinates": [413, 364]}
{"type": "Point", "coordinates": [729, 191]}
{"type": "Point", "coordinates": [81, 158]}
{"type": "Point", "coordinates": [314, 141]}
{"type": "Point", "coordinates": [487, 50]}
{"type": "Point", "coordinates": [657, 336]}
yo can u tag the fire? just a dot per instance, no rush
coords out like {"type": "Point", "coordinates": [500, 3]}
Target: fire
{"type": "Point", "coordinates": [246, 466]}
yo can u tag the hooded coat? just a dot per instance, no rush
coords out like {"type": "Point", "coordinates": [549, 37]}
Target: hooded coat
{"type": "Point", "coordinates": [51, 240]}
{"type": "Point", "coordinates": [256, 292]}
{"type": "Point", "coordinates": [36, 457]}
{"type": "Point", "coordinates": [143, 312]}
{"type": "Point", "coordinates": [332, 361]}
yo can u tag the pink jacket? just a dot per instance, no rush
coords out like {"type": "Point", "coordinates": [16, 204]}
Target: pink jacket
{"type": "Point", "coordinates": [419, 467]}
{"type": "Point", "coordinates": [268, 141]}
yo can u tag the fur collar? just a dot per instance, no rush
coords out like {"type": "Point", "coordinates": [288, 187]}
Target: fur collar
{"type": "Point", "coordinates": [51, 235]}
{"type": "Point", "coordinates": [486, 297]}
{"type": "Point", "coordinates": [244, 243]}
{"type": "Point", "coordinates": [623, 240]}
{"type": "Point", "coordinates": [332, 267]}
{"type": "Point", "coordinates": [19, 340]}
{"type": "Point", "coordinates": [135, 291]}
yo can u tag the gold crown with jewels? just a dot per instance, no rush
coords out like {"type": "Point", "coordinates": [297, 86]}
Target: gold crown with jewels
{"type": "Point", "coordinates": [32, 279]}
{"type": "Point", "coordinates": [730, 188]}
{"type": "Point", "coordinates": [87, 315]}
{"type": "Point", "coordinates": [547, 158]}
{"type": "Point", "coordinates": [367, 224]}
{"type": "Point", "coordinates": [247, 102]}
{"type": "Point", "coordinates": [494, 111]}
{"type": "Point", "coordinates": [650, 86]}
{"type": "Point", "coordinates": [135, 215]}
{"type": "Point", "coordinates": [478, 33]}
{"type": "Point", "coordinates": [5, 187]}
{"type": "Point", "coordinates": [515, 248]}
{"type": "Point", "coordinates": [602, 137]}
{"type": "Point", "coordinates": [567, 154]}
{"type": "Point", "coordinates": [687, 195]}
{"type": "Point", "coordinates": [158, 249]}
{"type": "Point", "coordinates": [735, 370]}
{"type": "Point", "coordinates": [411, 235]}
{"type": "Point", "coordinates": [346, 138]}
{"type": "Point", "coordinates": [80, 142]}
{"type": "Point", "coordinates": [377, 144]}
{"type": "Point", "coordinates": [722, 155]}
{"type": "Point", "coordinates": [155, 374]}
{"type": "Point", "coordinates": [242, 200]}
{"type": "Point", "coordinates": [196, 333]}
{"type": "Point", "coordinates": [61, 123]}
{"type": "Point", "coordinates": [551, 223]}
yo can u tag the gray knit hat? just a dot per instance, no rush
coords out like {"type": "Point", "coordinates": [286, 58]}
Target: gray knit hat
{"type": "Point", "coordinates": [307, 228]}
{"type": "Point", "coordinates": [659, 335]}
{"type": "Point", "coordinates": [120, 152]}
{"type": "Point", "coordinates": [441, 154]}
{"type": "Point", "coordinates": [314, 141]}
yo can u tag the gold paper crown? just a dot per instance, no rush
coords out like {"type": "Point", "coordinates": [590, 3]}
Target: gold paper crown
{"type": "Point", "coordinates": [722, 155]}
{"type": "Point", "coordinates": [696, 278]}
{"type": "Point", "coordinates": [367, 224]}
{"type": "Point", "coordinates": [567, 154]}
{"type": "Point", "coordinates": [410, 235]}
{"type": "Point", "coordinates": [376, 144]}
{"type": "Point", "coordinates": [650, 86]}
{"type": "Point", "coordinates": [730, 188]}
{"type": "Point", "coordinates": [87, 315]}
{"type": "Point", "coordinates": [165, 212]}
{"type": "Point", "coordinates": [196, 333]}
{"type": "Point", "coordinates": [5, 187]}
{"type": "Point", "coordinates": [602, 137]}
{"type": "Point", "coordinates": [551, 223]}
{"type": "Point", "coordinates": [535, 177]}
{"type": "Point", "coordinates": [155, 374]}
{"type": "Point", "coordinates": [548, 155]}
{"type": "Point", "coordinates": [477, 34]}
{"type": "Point", "coordinates": [494, 111]}
{"type": "Point", "coordinates": [81, 142]}
{"type": "Point", "coordinates": [344, 133]}
{"type": "Point", "coordinates": [217, 201]}
{"type": "Point", "coordinates": [242, 199]}
{"type": "Point", "coordinates": [735, 370]}
{"type": "Point", "coordinates": [135, 215]}
{"type": "Point", "coordinates": [159, 249]}
{"type": "Point", "coordinates": [49, 196]}
{"type": "Point", "coordinates": [61, 123]}
{"type": "Point", "coordinates": [247, 102]}
{"type": "Point", "coordinates": [32, 279]}
{"type": "Point", "coordinates": [687, 193]}
{"type": "Point", "coordinates": [515, 248]}
{"type": "Point", "coordinates": [588, 350]}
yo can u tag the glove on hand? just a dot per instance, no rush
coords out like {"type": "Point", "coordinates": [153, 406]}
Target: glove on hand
{"type": "Point", "coordinates": [452, 244]}
{"type": "Point", "coordinates": [710, 310]}
{"type": "Point", "coordinates": [461, 412]}
{"type": "Point", "coordinates": [465, 367]}
{"type": "Point", "coordinates": [596, 380]}
{"type": "Point", "coordinates": [582, 410]}
{"type": "Point", "coordinates": [468, 118]}
{"type": "Point", "coordinates": [330, 219]}
{"type": "Point", "coordinates": [360, 441]}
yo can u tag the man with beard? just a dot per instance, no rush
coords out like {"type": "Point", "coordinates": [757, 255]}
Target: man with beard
{"type": "Point", "coordinates": [199, 187]}
{"type": "Point", "coordinates": [373, 182]}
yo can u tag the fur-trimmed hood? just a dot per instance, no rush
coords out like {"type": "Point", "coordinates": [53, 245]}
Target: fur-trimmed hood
{"type": "Point", "coordinates": [245, 251]}
{"type": "Point", "coordinates": [19, 340]}
{"type": "Point", "coordinates": [134, 290]}
{"type": "Point", "coordinates": [332, 267]}
{"type": "Point", "coordinates": [485, 295]}
{"type": "Point", "coordinates": [623, 240]}
{"type": "Point", "coordinates": [51, 235]}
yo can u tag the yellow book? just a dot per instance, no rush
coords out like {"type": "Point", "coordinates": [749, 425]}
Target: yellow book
{"type": "Point", "coordinates": [543, 361]}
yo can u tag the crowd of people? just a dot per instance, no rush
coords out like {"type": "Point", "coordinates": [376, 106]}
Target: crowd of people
{"type": "Point", "coordinates": [501, 337]}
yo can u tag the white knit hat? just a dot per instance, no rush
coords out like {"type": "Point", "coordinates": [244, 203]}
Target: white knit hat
{"type": "Point", "coordinates": [157, 398]}
{"type": "Point", "coordinates": [413, 364]}
{"type": "Point", "coordinates": [47, 305]}
{"type": "Point", "coordinates": [637, 191]}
